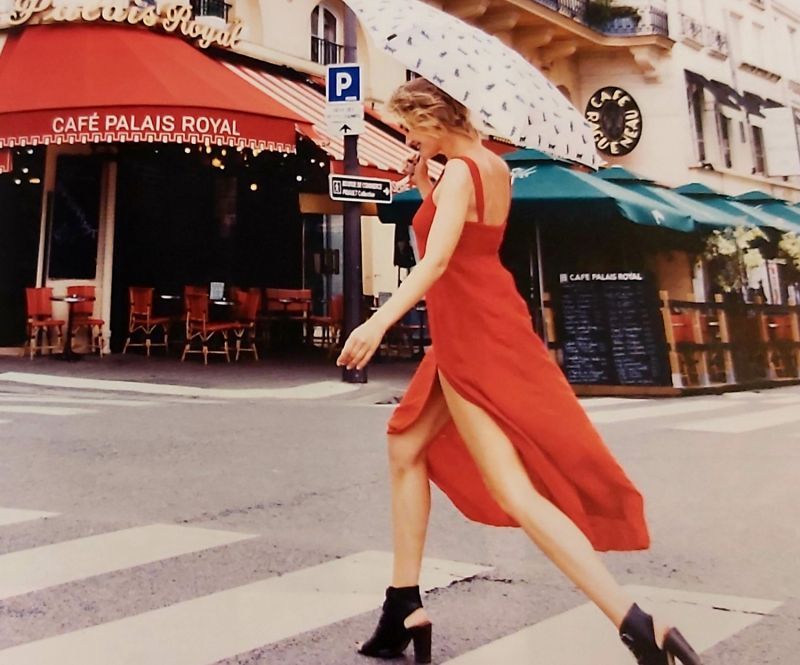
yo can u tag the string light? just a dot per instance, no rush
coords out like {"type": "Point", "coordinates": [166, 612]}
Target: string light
{"type": "Point", "coordinates": [187, 150]}
{"type": "Point", "coordinates": [35, 181]}
{"type": "Point", "coordinates": [253, 187]}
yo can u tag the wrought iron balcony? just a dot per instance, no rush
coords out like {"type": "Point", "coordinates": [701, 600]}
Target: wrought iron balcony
{"type": "Point", "coordinates": [211, 8]}
{"type": "Point", "coordinates": [691, 30]}
{"type": "Point", "coordinates": [717, 41]}
{"type": "Point", "coordinates": [648, 20]}
{"type": "Point", "coordinates": [326, 52]}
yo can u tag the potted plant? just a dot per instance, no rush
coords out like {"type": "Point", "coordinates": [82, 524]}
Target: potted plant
{"type": "Point", "coordinates": [605, 16]}
{"type": "Point", "coordinates": [731, 254]}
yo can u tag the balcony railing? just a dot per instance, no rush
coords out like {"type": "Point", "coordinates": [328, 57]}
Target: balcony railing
{"type": "Point", "coordinates": [326, 52]}
{"type": "Point", "coordinates": [650, 20]}
{"type": "Point", "coordinates": [211, 8]}
{"type": "Point", "coordinates": [717, 41]}
{"type": "Point", "coordinates": [691, 29]}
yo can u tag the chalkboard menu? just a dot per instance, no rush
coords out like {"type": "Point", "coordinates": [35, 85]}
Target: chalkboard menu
{"type": "Point", "coordinates": [611, 329]}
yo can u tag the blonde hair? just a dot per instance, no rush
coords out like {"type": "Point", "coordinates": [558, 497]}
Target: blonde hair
{"type": "Point", "coordinates": [421, 105]}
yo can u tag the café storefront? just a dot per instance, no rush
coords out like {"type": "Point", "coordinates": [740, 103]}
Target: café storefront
{"type": "Point", "coordinates": [144, 160]}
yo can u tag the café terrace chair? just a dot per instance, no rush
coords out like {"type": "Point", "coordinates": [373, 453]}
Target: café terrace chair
{"type": "Point", "coordinates": [199, 329]}
{"type": "Point", "coordinates": [330, 325]}
{"type": "Point", "coordinates": [284, 305]}
{"type": "Point", "coordinates": [245, 315]}
{"type": "Point", "coordinates": [40, 320]}
{"type": "Point", "coordinates": [141, 320]}
{"type": "Point", "coordinates": [83, 316]}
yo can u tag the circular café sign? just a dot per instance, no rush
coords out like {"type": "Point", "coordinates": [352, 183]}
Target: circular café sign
{"type": "Point", "coordinates": [616, 121]}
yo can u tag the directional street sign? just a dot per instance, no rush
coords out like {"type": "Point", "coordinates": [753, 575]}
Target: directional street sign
{"type": "Point", "coordinates": [343, 83]}
{"type": "Point", "coordinates": [346, 119]}
{"type": "Point", "coordinates": [360, 189]}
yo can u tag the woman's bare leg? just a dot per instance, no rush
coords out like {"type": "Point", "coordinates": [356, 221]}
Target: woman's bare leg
{"type": "Point", "coordinates": [411, 497]}
{"type": "Point", "coordinates": [550, 529]}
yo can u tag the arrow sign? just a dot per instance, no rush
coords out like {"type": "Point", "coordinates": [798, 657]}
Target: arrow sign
{"type": "Point", "coordinates": [345, 119]}
{"type": "Point", "coordinates": [360, 189]}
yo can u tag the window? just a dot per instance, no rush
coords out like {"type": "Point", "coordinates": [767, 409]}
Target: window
{"type": "Point", "coordinates": [696, 102]}
{"type": "Point", "coordinates": [325, 48]}
{"type": "Point", "coordinates": [759, 161]}
{"type": "Point", "coordinates": [410, 75]}
{"type": "Point", "coordinates": [724, 125]}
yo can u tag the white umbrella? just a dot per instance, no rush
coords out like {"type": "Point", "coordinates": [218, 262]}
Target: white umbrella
{"type": "Point", "coordinates": [508, 97]}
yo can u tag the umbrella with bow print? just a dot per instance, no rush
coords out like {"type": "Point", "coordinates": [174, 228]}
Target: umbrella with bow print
{"type": "Point", "coordinates": [508, 97]}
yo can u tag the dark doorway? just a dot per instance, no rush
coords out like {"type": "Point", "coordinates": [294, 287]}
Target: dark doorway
{"type": "Point", "coordinates": [189, 215]}
{"type": "Point", "coordinates": [20, 223]}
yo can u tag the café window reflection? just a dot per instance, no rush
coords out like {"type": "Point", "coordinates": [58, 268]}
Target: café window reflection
{"type": "Point", "coordinates": [75, 218]}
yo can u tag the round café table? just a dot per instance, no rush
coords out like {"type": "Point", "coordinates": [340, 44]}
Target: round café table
{"type": "Point", "coordinates": [68, 354]}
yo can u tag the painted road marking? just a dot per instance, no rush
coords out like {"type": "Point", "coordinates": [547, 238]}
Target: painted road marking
{"type": "Point", "coordinates": [584, 634]}
{"type": "Point", "coordinates": [220, 625]}
{"type": "Point", "coordinates": [14, 516]}
{"type": "Point", "coordinates": [45, 410]}
{"type": "Point", "coordinates": [38, 399]}
{"type": "Point", "coordinates": [603, 402]}
{"type": "Point", "coordinates": [744, 422]}
{"type": "Point", "coordinates": [659, 410]}
{"type": "Point", "coordinates": [317, 390]}
{"type": "Point", "coordinates": [33, 569]}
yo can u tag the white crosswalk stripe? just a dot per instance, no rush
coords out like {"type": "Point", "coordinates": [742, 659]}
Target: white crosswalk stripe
{"type": "Point", "coordinates": [15, 516]}
{"type": "Point", "coordinates": [749, 421]}
{"type": "Point", "coordinates": [42, 399]}
{"type": "Point", "coordinates": [584, 635]}
{"type": "Point", "coordinates": [30, 570]}
{"type": "Point", "coordinates": [658, 409]}
{"type": "Point", "coordinates": [220, 625]}
{"type": "Point", "coordinates": [45, 410]}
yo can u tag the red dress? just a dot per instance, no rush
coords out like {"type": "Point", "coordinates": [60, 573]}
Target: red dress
{"type": "Point", "coordinates": [484, 345]}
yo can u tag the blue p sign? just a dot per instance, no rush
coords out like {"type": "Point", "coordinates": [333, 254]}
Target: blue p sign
{"type": "Point", "coordinates": [344, 83]}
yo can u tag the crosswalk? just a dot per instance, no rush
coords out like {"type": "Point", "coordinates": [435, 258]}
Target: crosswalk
{"type": "Point", "coordinates": [731, 413]}
{"type": "Point", "coordinates": [216, 626]}
{"type": "Point", "coordinates": [19, 406]}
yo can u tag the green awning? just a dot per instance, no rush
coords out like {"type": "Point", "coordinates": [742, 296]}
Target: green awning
{"type": "Point", "coordinates": [726, 204]}
{"type": "Point", "coordinates": [550, 191]}
{"type": "Point", "coordinates": [772, 206]}
{"type": "Point", "coordinates": [701, 213]}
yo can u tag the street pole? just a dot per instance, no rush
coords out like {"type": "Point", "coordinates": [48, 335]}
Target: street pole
{"type": "Point", "coordinates": [353, 299]}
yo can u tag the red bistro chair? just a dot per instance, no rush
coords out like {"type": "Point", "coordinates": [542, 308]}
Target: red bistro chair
{"type": "Point", "coordinates": [198, 328]}
{"type": "Point", "coordinates": [331, 324]}
{"type": "Point", "coordinates": [40, 319]}
{"type": "Point", "coordinates": [83, 316]}
{"type": "Point", "coordinates": [141, 319]}
{"type": "Point", "coordinates": [248, 302]}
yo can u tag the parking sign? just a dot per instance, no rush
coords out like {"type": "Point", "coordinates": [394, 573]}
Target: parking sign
{"type": "Point", "coordinates": [343, 83]}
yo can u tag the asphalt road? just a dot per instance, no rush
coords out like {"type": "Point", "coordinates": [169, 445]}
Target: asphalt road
{"type": "Point", "coordinates": [255, 493]}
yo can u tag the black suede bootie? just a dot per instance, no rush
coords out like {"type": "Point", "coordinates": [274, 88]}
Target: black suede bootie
{"type": "Point", "coordinates": [391, 637]}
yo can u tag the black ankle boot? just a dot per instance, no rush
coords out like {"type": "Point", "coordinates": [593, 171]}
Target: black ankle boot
{"type": "Point", "coordinates": [638, 634]}
{"type": "Point", "coordinates": [391, 637]}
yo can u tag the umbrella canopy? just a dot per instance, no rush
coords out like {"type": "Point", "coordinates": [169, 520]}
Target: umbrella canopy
{"type": "Point", "coordinates": [701, 213]}
{"type": "Point", "coordinates": [724, 203]}
{"type": "Point", "coordinates": [548, 190]}
{"type": "Point", "coordinates": [773, 206]}
{"type": "Point", "coordinates": [507, 96]}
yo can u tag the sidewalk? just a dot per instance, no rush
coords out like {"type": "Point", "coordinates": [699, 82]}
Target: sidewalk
{"type": "Point", "coordinates": [245, 379]}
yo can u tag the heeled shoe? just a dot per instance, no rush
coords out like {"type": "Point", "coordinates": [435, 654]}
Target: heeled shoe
{"type": "Point", "coordinates": [391, 637]}
{"type": "Point", "coordinates": [638, 634]}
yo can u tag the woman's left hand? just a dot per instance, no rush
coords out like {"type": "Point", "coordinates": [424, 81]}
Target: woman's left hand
{"type": "Point", "coordinates": [361, 345]}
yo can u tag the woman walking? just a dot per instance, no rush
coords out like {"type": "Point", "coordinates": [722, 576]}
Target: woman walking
{"type": "Point", "coordinates": [488, 416]}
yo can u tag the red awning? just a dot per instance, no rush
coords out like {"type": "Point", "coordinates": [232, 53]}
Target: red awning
{"type": "Point", "coordinates": [101, 83]}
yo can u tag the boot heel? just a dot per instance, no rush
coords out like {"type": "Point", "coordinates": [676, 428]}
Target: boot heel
{"type": "Point", "coordinates": [676, 645]}
{"type": "Point", "coordinates": [422, 637]}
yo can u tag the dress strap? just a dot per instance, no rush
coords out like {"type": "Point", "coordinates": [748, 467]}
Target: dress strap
{"type": "Point", "coordinates": [477, 183]}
